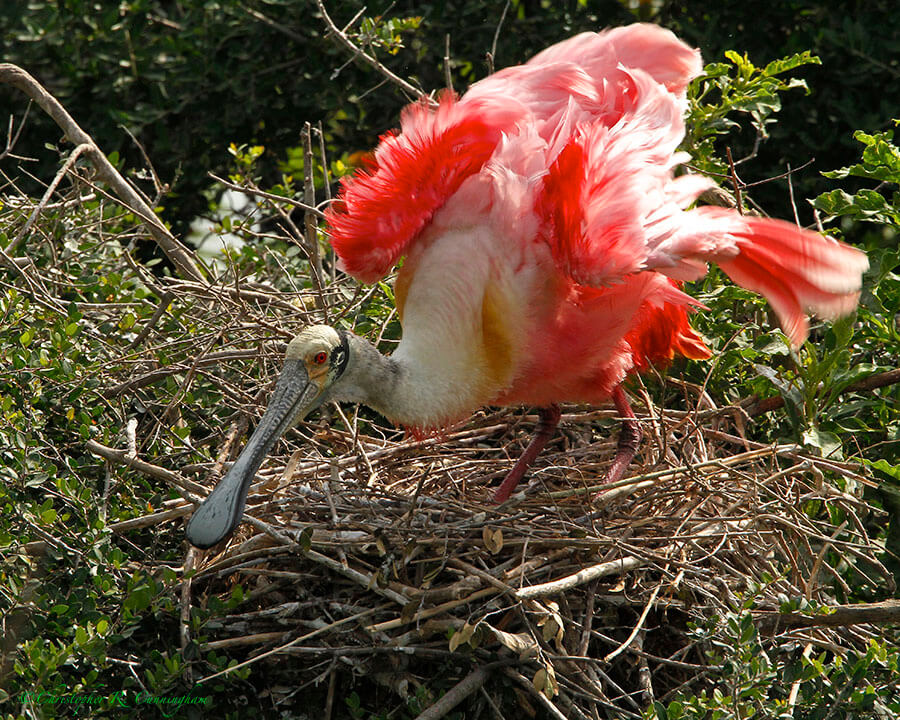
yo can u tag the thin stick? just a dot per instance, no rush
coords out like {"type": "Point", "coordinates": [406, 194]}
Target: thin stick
{"type": "Point", "coordinates": [542, 699]}
{"type": "Point", "coordinates": [493, 53]}
{"type": "Point", "coordinates": [760, 451]}
{"type": "Point", "coordinates": [122, 458]}
{"type": "Point", "coordinates": [448, 77]}
{"type": "Point", "coordinates": [309, 220]}
{"type": "Point", "coordinates": [184, 619]}
{"type": "Point", "coordinates": [620, 566]}
{"type": "Point", "coordinates": [364, 579]}
{"type": "Point", "coordinates": [269, 196]}
{"type": "Point", "coordinates": [430, 612]}
{"type": "Point", "coordinates": [184, 259]}
{"type": "Point", "coordinates": [734, 180]}
{"type": "Point", "coordinates": [877, 613]}
{"type": "Point", "coordinates": [296, 641]}
{"type": "Point", "coordinates": [455, 695]}
{"type": "Point", "coordinates": [357, 52]}
{"type": "Point", "coordinates": [871, 382]}
{"type": "Point", "coordinates": [637, 627]}
{"type": "Point", "coordinates": [791, 193]}
{"type": "Point", "coordinates": [61, 173]}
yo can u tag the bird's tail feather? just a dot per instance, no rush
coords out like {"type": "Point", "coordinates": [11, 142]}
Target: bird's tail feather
{"type": "Point", "coordinates": [796, 270]}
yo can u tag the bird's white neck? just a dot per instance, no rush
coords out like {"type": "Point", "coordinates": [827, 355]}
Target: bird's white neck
{"type": "Point", "coordinates": [405, 392]}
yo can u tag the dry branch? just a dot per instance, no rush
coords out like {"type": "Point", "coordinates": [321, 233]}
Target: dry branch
{"type": "Point", "coordinates": [595, 572]}
{"type": "Point", "coordinates": [357, 52]}
{"type": "Point", "coordinates": [182, 258]}
{"type": "Point", "coordinates": [121, 457]}
{"type": "Point", "coordinates": [459, 692]}
{"type": "Point", "coordinates": [756, 406]}
{"type": "Point", "coordinates": [877, 613]}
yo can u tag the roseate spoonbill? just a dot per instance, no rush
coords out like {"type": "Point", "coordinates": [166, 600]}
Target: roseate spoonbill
{"type": "Point", "coordinates": [545, 235]}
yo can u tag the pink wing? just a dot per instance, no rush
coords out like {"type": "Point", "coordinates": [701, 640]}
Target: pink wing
{"type": "Point", "coordinates": [606, 187]}
{"type": "Point", "coordinates": [381, 210]}
{"type": "Point", "coordinates": [597, 120]}
{"type": "Point", "coordinates": [796, 270]}
{"type": "Point", "coordinates": [613, 207]}
{"type": "Point", "coordinates": [643, 46]}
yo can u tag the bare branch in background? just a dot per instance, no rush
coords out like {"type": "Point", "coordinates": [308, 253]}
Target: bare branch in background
{"type": "Point", "coordinates": [182, 258]}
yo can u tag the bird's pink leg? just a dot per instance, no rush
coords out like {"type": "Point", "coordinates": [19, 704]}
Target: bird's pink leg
{"type": "Point", "coordinates": [548, 419]}
{"type": "Point", "coordinates": [629, 438]}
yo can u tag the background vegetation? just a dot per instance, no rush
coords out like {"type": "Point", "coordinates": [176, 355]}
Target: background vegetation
{"type": "Point", "coordinates": [91, 603]}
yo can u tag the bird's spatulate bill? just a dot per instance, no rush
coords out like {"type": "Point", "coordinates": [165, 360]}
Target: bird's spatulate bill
{"type": "Point", "coordinates": [219, 515]}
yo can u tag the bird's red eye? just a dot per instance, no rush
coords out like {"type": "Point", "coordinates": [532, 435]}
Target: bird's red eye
{"type": "Point", "coordinates": [319, 358]}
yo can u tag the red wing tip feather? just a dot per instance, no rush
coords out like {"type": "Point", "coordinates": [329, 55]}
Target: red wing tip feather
{"type": "Point", "coordinates": [384, 206]}
{"type": "Point", "coordinates": [798, 271]}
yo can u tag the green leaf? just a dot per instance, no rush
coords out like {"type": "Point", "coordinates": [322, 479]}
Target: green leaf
{"type": "Point", "coordinates": [81, 636]}
{"type": "Point", "coordinates": [885, 467]}
{"type": "Point", "coordinates": [776, 67]}
{"type": "Point", "coordinates": [827, 443]}
{"type": "Point", "coordinates": [127, 322]}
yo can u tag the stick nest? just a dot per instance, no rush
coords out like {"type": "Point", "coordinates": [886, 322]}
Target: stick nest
{"type": "Point", "coordinates": [372, 557]}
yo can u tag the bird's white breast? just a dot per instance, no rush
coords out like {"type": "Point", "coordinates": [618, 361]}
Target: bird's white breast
{"type": "Point", "coordinates": [463, 302]}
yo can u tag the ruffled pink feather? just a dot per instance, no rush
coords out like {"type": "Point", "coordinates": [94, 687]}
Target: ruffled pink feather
{"type": "Point", "coordinates": [584, 139]}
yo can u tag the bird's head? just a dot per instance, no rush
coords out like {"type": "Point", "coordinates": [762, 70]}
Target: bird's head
{"type": "Point", "coordinates": [315, 360]}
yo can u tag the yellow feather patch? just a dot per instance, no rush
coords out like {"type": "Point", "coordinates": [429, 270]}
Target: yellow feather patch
{"type": "Point", "coordinates": [401, 286]}
{"type": "Point", "coordinates": [496, 337]}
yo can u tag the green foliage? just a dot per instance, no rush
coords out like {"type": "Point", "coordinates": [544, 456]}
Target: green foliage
{"type": "Point", "coordinates": [740, 87]}
{"type": "Point", "coordinates": [205, 86]}
{"type": "Point", "coordinates": [881, 162]}
{"type": "Point", "coordinates": [813, 382]}
{"type": "Point", "coordinates": [384, 33]}
{"type": "Point", "coordinates": [759, 678]}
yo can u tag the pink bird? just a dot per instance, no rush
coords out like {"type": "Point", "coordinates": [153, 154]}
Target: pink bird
{"type": "Point", "coordinates": [544, 236]}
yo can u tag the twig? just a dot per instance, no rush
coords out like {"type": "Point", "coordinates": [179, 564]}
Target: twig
{"type": "Point", "coordinates": [150, 520]}
{"type": "Point", "coordinates": [739, 205]}
{"type": "Point", "coordinates": [542, 699]}
{"type": "Point", "coordinates": [184, 616]}
{"type": "Point", "coordinates": [12, 139]}
{"type": "Point", "coordinates": [309, 220]}
{"type": "Point", "coordinates": [266, 20]}
{"type": "Point", "coordinates": [637, 627]}
{"type": "Point", "coordinates": [759, 451]}
{"type": "Point", "coordinates": [158, 186]}
{"type": "Point", "coordinates": [876, 613]}
{"type": "Point", "coordinates": [491, 56]}
{"type": "Point", "coordinates": [791, 194]}
{"type": "Point", "coordinates": [448, 77]}
{"type": "Point", "coordinates": [612, 567]}
{"type": "Point", "coordinates": [164, 303]}
{"type": "Point", "coordinates": [122, 458]}
{"type": "Point", "coordinates": [249, 190]}
{"type": "Point", "coordinates": [367, 581]}
{"type": "Point", "coordinates": [308, 636]}
{"type": "Point", "coordinates": [51, 188]}
{"type": "Point", "coordinates": [332, 685]}
{"type": "Point", "coordinates": [183, 259]}
{"type": "Point", "coordinates": [455, 695]}
{"type": "Point", "coordinates": [431, 612]}
{"type": "Point", "coordinates": [357, 52]}
{"type": "Point", "coordinates": [872, 382]}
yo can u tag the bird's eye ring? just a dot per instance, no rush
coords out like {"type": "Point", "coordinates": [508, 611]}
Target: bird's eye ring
{"type": "Point", "coordinates": [320, 357]}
